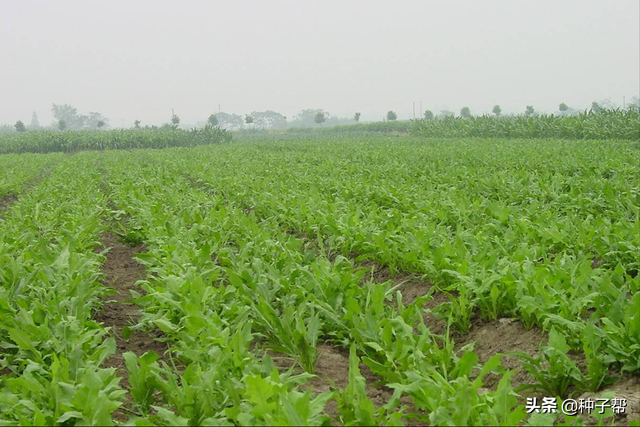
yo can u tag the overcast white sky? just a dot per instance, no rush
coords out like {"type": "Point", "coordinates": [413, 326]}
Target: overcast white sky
{"type": "Point", "coordinates": [138, 60]}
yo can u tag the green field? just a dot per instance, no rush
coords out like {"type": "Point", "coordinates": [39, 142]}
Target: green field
{"type": "Point", "coordinates": [298, 279]}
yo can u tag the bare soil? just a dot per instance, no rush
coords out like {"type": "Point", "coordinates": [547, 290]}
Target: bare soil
{"type": "Point", "coordinates": [6, 201]}
{"type": "Point", "coordinates": [121, 272]}
{"type": "Point", "coordinates": [332, 370]}
{"type": "Point", "coordinates": [502, 336]}
{"type": "Point", "coordinates": [628, 387]}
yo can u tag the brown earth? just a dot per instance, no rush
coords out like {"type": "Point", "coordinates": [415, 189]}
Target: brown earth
{"type": "Point", "coordinates": [502, 336]}
{"type": "Point", "coordinates": [6, 201]}
{"type": "Point", "coordinates": [121, 272]}
{"type": "Point", "coordinates": [628, 387]}
{"type": "Point", "coordinates": [332, 370]}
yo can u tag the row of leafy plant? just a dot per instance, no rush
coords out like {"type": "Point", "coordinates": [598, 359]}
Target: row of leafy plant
{"type": "Point", "coordinates": [118, 139]}
{"type": "Point", "coordinates": [51, 349]}
{"type": "Point", "coordinates": [603, 124]}
{"type": "Point", "coordinates": [543, 231]}
{"type": "Point", "coordinates": [308, 191]}
{"type": "Point", "coordinates": [225, 286]}
{"type": "Point", "coordinates": [16, 171]}
{"type": "Point", "coordinates": [360, 128]}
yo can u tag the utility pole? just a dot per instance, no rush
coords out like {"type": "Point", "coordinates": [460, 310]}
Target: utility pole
{"type": "Point", "coordinates": [218, 108]}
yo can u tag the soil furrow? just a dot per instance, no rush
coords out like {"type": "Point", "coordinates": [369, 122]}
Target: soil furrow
{"type": "Point", "coordinates": [121, 272]}
{"type": "Point", "coordinates": [6, 201]}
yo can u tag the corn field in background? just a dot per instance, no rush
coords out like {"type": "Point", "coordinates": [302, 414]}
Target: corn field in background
{"type": "Point", "coordinates": [604, 124]}
{"type": "Point", "coordinates": [123, 139]}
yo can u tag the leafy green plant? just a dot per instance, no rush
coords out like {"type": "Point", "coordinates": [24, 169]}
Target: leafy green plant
{"type": "Point", "coordinates": [354, 406]}
{"type": "Point", "coordinates": [553, 369]}
{"type": "Point", "coordinates": [459, 310]}
{"type": "Point", "coordinates": [289, 333]}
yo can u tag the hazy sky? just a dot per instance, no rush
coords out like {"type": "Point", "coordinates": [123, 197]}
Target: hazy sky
{"type": "Point", "coordinates": [138, 60]}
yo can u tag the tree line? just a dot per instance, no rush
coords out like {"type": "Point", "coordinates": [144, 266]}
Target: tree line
{"type": "Point", "coordinates": [68, 117]}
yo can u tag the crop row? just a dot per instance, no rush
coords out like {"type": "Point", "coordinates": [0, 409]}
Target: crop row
{"type": "Point", "coordinates": [16, 171]}
{"type": "Point", "coordinates": [545, 232]}
{"type": "Point", "coordinates": [72, 141]}
{"type": "Point", "coordinates": [51, 351]}
{"type": "Point", "coordinates": [225, 287]}
{"type": "Point", "coordinates": [605, 124]}
{"type": "Point", "coordinates": [251, 262]}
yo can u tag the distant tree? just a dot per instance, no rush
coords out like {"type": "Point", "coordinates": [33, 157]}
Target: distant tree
{"type": "Point", "coordinates": [20, 127]}
{"type": "Point", "coordinates": [92, 121]}
{"type": "Point", "coordinates": [35, 123]}
{"type": "Point", "coordinates": [391, 116]}
{"type": "Point", "coordinates": [136, 124]}
{"type": "Point", "coordinates": [319, 118]}
{"type": "Point", "coordinates": [595, 107]}
{"type": "Point", "coordinates": [229, 121]}
{"type": "Point", "coordinates": [356, 117]}
{"type": "Point", "coordinates": [529, 111]}
{"type": "Point", "coordinates": [100, 124]}
{"type": "Point", "coordinates": [175, 120]}
{"type": "Point", "coordinates": [212, 120]}
{"type": "Point", "coordinates": [446, 113]}
{"type": "Point", "coordinates": [465, 112]}
{"type": "Point", "coordinates": [563, 107]}
{"type": "Point", "coordinates": [428, 114]}
{"type": "Point", "coordinates": [70, 115]}
{"type": "Point", "coordinates": [497, 110]}
{"type": "Point", "coordinates": [75, 120]}
{"type": "Point", "coordinates": [62, 124]}
{"type": "Point", "coordinates": [307, 117]}
{"type": "Point", "coordinates": [5, 128]}
{"type": "Point", "coordinates": [248, 119]}
{"type": "Point", "coordinates": [269, 119]}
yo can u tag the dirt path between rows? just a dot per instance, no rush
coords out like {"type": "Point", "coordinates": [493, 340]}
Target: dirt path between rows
{"type": "Point", "coordinates": [6, 201]}
{"type": "Point", "coordinates": [121, 272]}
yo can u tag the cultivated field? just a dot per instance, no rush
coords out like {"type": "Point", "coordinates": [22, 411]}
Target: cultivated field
{"type": "Point", "coordinates": [320, 279]}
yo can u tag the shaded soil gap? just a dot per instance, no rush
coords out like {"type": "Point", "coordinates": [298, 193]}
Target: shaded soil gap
{"type": "Point", "coordinates": [6, 201]}
{"type": "Point", "coordinates": [121, 272]}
